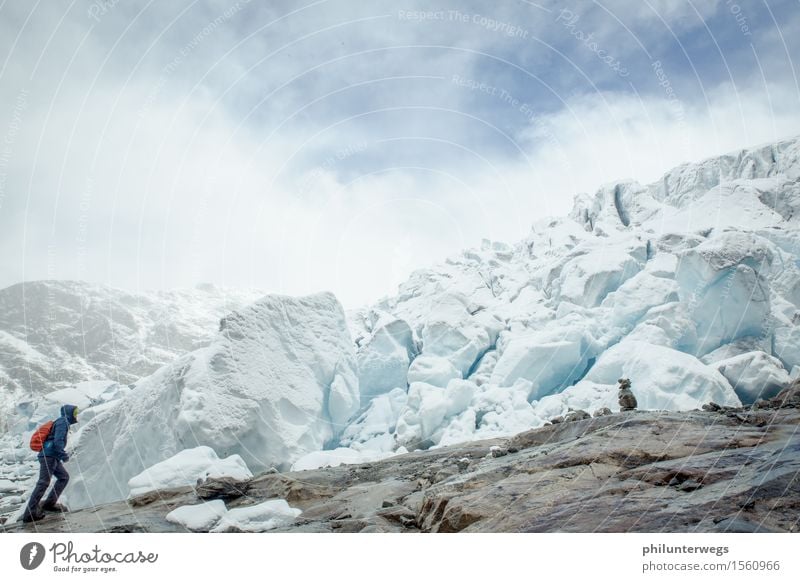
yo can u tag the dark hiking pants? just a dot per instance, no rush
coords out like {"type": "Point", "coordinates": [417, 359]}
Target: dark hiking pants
{"type": "Point", "coordinates": [49, 467]}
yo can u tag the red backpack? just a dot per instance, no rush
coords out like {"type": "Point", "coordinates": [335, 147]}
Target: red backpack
{"type": "Point", "coordinates": [41, 434]}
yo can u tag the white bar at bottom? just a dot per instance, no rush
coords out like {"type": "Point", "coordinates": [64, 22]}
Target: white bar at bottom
{"type": "Point", "coordinates": [390, 557]}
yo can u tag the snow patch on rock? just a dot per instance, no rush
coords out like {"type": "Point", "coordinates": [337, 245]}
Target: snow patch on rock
{"type": "Point", "coordinates": [215, 517]}
{"type": "Point", "coordinates": [201, 517]}
{"type": "Point", "coordinates": [187, 468]}
{"type": "Point", "coordinates": [257, 518]}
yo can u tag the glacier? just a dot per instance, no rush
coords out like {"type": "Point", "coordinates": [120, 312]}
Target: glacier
{"type": "Point", "coordinates": [689, 286]}
{"type": "Point", "coordinates": [278, 381]}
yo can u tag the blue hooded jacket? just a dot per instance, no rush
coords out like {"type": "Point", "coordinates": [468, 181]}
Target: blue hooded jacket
{"type": "Point", "coordinates": [57, 439]}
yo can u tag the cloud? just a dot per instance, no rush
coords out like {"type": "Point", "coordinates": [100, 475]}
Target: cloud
{"type": "Point", "coordinates": [596, 139]}
{"type": "Point", "coordinates": [333, 149]}
{"type": "Point", "coordinates": [612, 136]}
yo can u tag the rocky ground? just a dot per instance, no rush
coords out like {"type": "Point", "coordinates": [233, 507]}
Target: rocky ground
{"type": "Point", "coordinates": [715, 470]}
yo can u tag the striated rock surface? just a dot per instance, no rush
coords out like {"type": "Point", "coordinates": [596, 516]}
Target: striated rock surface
{"type": "Point", "coordinates": [720, 470]}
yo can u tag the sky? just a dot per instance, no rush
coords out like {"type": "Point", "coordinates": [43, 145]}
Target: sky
{"type": "Point", "coordinates": [338, 145]}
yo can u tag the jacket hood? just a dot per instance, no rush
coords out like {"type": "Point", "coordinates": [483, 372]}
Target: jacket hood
{"type": "Point", "coordinates": [68, 410]}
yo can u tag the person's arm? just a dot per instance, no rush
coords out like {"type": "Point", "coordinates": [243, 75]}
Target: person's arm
{"type": "Point", "coordinates": [60, 428]}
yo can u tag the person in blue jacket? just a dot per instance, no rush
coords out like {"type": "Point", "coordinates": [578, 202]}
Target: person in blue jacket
{"type": "Point", "coordinates": [51, 464]}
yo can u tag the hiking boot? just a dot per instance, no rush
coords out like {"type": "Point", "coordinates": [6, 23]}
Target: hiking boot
{"type": "Point", "coordinates": [54, 507]}
{"type": "Point", "coordinates": [31, 516]}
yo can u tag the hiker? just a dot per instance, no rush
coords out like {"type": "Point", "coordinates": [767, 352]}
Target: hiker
{"type": "Point", "coordinates": [51, 464]}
